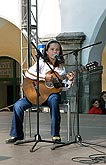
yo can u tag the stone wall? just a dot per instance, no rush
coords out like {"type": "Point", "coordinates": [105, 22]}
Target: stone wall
{"type": "Point", "coordinates": [83, 89]}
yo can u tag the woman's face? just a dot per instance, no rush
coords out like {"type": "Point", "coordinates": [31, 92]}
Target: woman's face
{"type": "Point", "coordinates": [104, 97]}
{"type": "Point", "coordinates": [53, 49]}
{"type": "Point", "coordinates": [96, 103]}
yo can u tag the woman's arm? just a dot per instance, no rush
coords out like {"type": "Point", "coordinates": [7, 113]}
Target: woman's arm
{"type": "Point", "coordinates": [32, 71]}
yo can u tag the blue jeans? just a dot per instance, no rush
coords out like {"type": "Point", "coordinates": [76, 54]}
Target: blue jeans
{"type": "Point", "coordinates": [18, 115]}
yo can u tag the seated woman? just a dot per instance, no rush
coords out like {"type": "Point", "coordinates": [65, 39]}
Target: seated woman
{"type": "Point", "coordinates": [103, 102]}
{"type": "Point", "coordinates": [95, 107]}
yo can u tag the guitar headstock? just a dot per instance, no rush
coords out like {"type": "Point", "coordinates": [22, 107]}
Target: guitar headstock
{"type": "Point", "coordinates": [91, 66]}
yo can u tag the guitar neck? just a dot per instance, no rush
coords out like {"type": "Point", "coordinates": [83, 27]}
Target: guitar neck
{"type": "Point", "coordinates": [89, 67]}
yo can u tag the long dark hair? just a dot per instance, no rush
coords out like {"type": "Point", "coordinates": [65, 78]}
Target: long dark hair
{"type": "Point", "coordinates": [93, 101]}
{"type": "Point", "coordinates": [102, 93]}
{"type": "Point", "coordinates": [101, 99]}
{"type": "Point", "coordinates": [57, 63]}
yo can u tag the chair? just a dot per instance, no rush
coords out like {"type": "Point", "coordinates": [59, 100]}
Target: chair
{"type": "Point", "coordinates": [64, 108]}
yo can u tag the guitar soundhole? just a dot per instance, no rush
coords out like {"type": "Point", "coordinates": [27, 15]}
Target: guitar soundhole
{"type": "Point", "coordinates": [49, 84]}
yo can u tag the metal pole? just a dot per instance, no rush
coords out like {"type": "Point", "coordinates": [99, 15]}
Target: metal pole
{"type": "Point", "coordinates": [29, 30]}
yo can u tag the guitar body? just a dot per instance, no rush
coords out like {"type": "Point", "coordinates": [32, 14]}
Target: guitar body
{"type": "Point", "coordinates": [47, 88]}
{"type": "Point", "coordinates": [30, 90]}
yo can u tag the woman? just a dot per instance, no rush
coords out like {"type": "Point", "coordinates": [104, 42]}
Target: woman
{"type": "Point", "coordinates": [103, 102]}
{"type": "Point", "coordinates": [51, 50]}
{"type": "Point", "coordinates": [95, 107]}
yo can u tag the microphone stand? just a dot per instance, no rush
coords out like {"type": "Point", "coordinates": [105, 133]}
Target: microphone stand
{"type": "Point", "coordinates": [78, 137]}
{"type": "Point", "coordinates": [37, 136]}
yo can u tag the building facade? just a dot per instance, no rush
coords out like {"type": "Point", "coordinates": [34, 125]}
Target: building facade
{"type": "Point", "coordinates": [76, 24]}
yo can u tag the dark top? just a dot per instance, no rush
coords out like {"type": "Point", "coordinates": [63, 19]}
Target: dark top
{"type": "Point", "coordinates": [102, 106]}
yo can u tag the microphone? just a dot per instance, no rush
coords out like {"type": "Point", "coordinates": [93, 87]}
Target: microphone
{"type": "Point", "coordinates": [57, 57]}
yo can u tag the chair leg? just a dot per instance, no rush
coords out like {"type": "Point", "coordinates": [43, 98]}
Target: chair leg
{"type": "Point", "coordinates": [30, 128]}
{"type": "Point", "coordinates": [29, 123]}
{"type": "Point", "coordinates": [24, 124]}
{"type": "Point", "coordinates": [69, 130]}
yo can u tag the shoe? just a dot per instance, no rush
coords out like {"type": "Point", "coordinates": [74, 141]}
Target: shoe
{"type": "Point", "coordinates": [11, 140]}
{"type": "Point", "coordinates": [56, 138]}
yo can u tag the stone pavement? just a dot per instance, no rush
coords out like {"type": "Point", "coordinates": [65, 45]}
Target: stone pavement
{"type": "Point", "coordinates": [92, 129]}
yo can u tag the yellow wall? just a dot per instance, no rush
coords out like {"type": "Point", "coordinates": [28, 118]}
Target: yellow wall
{"type": "Point", "coordinates": [104, 69]}
{"type": "Point", "coordinates": [11, 44]}
{"type": "Point", "coordinates": [10, 37]}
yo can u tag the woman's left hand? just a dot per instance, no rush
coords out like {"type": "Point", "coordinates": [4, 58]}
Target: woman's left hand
{"type": "Point", "coordinates": [70, 76]}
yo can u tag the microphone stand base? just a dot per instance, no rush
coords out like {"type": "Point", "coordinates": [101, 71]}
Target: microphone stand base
{"type": "Point", "coordinates": [78, 139]}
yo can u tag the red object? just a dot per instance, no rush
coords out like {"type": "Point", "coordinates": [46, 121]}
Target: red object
{"type": "Point", "coordinates": [95, 110]}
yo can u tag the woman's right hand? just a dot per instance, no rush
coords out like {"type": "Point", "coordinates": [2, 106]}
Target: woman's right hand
{"type": "Point", "coordinates": [48, 77]}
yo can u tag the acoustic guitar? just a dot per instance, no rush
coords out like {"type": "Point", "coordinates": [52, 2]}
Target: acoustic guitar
{"type": "Point", "coordinates": [47, 88]}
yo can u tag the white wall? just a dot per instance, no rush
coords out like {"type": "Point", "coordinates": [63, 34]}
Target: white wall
{"type": "Point", "coordinates": [70, 16]}
{"type": "Point", "coordinates": [56, 16]}
{"type": "Point", "coordinates": [10, 10]}
{"type": "Point", "coordinates": [49, 19]}
{"type": "Point", "coordinates": [81, 16]}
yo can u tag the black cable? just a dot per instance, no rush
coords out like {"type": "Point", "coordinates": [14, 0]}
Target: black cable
{"type": "Point", "coordinates": [85, 160]}
{"type": "Point", "coordinates": [98, 157]}
{"type": "Point", "coordinates": [92, 159]}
